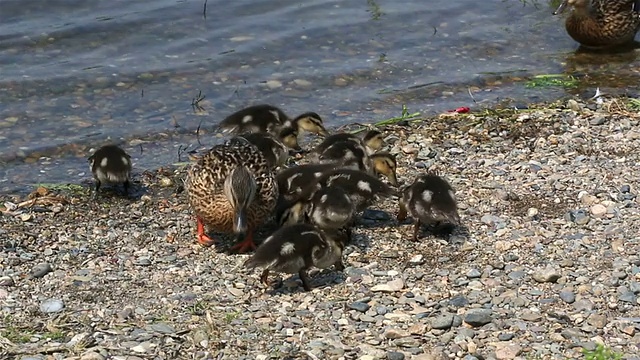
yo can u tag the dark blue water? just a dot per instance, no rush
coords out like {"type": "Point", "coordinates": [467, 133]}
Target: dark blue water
{"type": "Point", "coordinates": [76, 74]}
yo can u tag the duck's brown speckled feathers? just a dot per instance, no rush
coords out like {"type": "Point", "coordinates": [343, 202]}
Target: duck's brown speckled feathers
{"type": "Point", "coordinates": [205, 185]}
{"type": "Point", "coordinates": [602, 23]}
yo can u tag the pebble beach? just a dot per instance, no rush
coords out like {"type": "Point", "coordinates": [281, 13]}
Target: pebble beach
{"type": "Point", "coordinates": [544, 266]}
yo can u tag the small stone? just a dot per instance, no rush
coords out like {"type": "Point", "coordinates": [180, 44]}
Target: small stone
{"type": "Point", "coordinates": [395, 334]}
{"type": "Point", "coordinates": [505, 337]}
{"type": "Point", "coordinates": [599, 321]}
{"type": "Point", "coordinates": [442, 322]}
{"type": "Point", "coordinates": [40, 270]}
{"type": "Point", "coordinates": [359, 306]}
{"type": "Point", "coordinates": [629, 330]}
{"type": "Point", "coordinates": [162, 328]}
{"type": "Point", "coordinates": [532, 212]}
{"type": "Point", "coordinates": [548, 274]}
{"type": "Point", "coordinates": [391, 286]}
{"type": "Point", "coordinates": [92, 355]}
{"type": "Point", "coordinates": [51, 306]}
{"type": "Point", "coordinates": [628, 297]}
{"type": "Point", "coordinates": [478, 317]}
{"type": "Point", "coordinates": [508, 351]}
{"type": "Point", "coordinates": [567, 296]}
{"type": "Point", "coordinates": [625, 189]}
{"type": "Point", "coordinates": [598, 120]}
{"type": "Point", "coordinates": [473, 274]}
{"type": "Point", "coordinates": [274, 84]}
{"type": "Point", "coordinates": [531, 316]}
{"type": "Point", "coordinates": [143, 347]}
{"type": "Point", "coordinates": [26, 217]}
{"type": "Point", "coordinates": [416, 259]}
{"type": "Point", "coordinates": [6, 281]}
{"type": "Point", "coordinates": [165, 181]}
{"type": "Point", "coordinates": [574, 105]}
{"type": "Point", "coordinates": [395, 355]}
{"type": "Point", "coordinates": [458, 301]}
{"type": "Point", "coordinates": [598, 210]}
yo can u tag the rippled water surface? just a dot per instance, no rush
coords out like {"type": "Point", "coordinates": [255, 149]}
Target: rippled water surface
{"type": "Point", "coordinates": [77, 74]}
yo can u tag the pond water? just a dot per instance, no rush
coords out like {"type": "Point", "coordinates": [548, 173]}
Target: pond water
{"type": "Point", "coordinates": [75, 75]}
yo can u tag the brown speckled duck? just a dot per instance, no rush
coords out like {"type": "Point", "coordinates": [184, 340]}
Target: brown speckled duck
{"type": "Point", "coordinates": [271, 119]}
{"type": "Point", "coordinates": [231, 189]}
{"type": "Point", "coordinates": [601, 24]}
{"type": "Point", "coordinates": [110, 164]}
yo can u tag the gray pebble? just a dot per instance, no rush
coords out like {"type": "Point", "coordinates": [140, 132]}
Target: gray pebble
{"type": "Point", "coordinates": [517, 275]}
{"type": "Point", "coordinates": [546, 275]}
{"type": "Point", "coordinates": [634, 286]}
{"type": "Point", "coordinates": [473, 274]}
{"type": "Point", "coordinates": [376, 215]}
{"type": "Point", "coordinates": [40, 270]}
{"type": "Point", "coordinates": [470, 357]}
{"type": "Point", "coordinates": [505, 337]}
{"type": "Point", "coordinates": [359, 306]}
{"type": "Point", "coordinates": [442, 322]}
{"type": "Point", "coordinates": [395, 355]}
{"type": "Point", "coordinates": [567, 296]}
{"type": "Point", "coordinates": [598, 120]}
{"type": "Point", "coordinates": [629, 297]}
{"type": "Point", "coordinates": [458, 301]}
{"type": "Point", "coordinates": [51, 306]}
{"type": "Point", "coordinates": [465, 332]}
{"type": "Point", "coordinates": [143, 261]}
{"type": "Point", "coordinates": [511, 257]}
{"type": "Point", "coordinates": [6, 281]}
{"type": "Point", "coordinates": [625, 188]}
{"type": "Point", "coordinates": [381, 310]}
{"type": "Point", "coordinates": [457, 321]}
{"type": "Point", "coordinates": [478, 317]}
{"type": "Point", "coordinates": [162, 328]}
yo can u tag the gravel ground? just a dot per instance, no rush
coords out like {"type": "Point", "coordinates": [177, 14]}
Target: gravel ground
{"type": "Point", "coordinates": [545, 265]}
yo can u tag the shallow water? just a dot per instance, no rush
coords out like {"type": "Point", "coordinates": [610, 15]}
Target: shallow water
{"type": "Point", "coordinates": [77, 74]}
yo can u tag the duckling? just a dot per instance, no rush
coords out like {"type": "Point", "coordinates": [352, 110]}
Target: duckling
{"type": "Point", "coordinates": [274, 151]}
{"type": "Point", "coordinates": [110, 164]}
{"type": "Point", "coordinates": [372, 140]}
{"type": "Point", "coordinates": [231, 189]}
{"type": "Point", "coordinates": [328, 209]}
{"type": "Point", "coordinates": [602, 23]}
{"type": "Point", "coordinates": [384, 163]}
{"type": "Point", "coordinates": [430, 200]}
{"type": "Point", "coordinates": [362, 188]}
{"type": "Point", "coordinates": [292, 180]}
{"type": "Point", "coordinates": [295, 249]}
{"type": "Point", "coordinates": [271, 119]}
{"type": "Point", "coordinates": [348, 154]}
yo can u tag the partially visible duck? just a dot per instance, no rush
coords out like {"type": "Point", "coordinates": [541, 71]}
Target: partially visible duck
{"type": "Point", "coordinates": [231, 189]}
{"type": "Point", "coordinates": [271, 119]}
{"type": "Point", "coordinates": [274, 151]}
{"type": "Point", "coordinates": [430, 200]}
{"type": "Point", "coordinates": [602, 23]}
{"type": "Point", "coordinates": [292, 180]}
{"type": "Point", "coordinates": [371, 140]}
{"type": "Point", "coordinates": [296, 248]}
{"type": "Point", "coordinates": [384, 163]}
{"type": "Point", "coordinates": [110, 164]}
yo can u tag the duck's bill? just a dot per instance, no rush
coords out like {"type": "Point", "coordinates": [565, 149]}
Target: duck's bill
{"type": "Point", "coordinates": [560, 9]}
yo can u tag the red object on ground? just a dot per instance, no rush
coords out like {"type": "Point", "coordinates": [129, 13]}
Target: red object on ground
{"type": "Point", "coordinates": [461, 110]}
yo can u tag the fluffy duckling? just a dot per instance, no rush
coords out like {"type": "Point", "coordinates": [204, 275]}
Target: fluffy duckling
{"type": "Point", "coordinates": [384, 163]}
{"type": "Point", "coordinates": [110, 164]}
{"type": "Point", "coordinates": [328, 208]}
{"type": "Point", "coordinates": [602, 23]}
{"type": "Point", "coordinates": [362, 188]}
{"type": "Point", "coordinates": [371, 140]}
{"type": "Point", "coordinates": [430, 200]}
{"type": "Point", "coordinates": [292, 180]}
{"type": "Point", "coordinates": [232, 189]}
{"type": "Point", "coordinates": [295, 249]}
{"type": "Point", "coordinates": [347, 154]}
{"type": "Point", "coordinates": [274, 151]}
{"type": "Point", "coordinates": [271, 119]}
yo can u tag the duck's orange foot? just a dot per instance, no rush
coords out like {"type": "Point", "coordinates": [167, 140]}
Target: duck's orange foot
{"type": "Point", "coordinates": [245, 245]}
{"type": "Point", "coordinates": [205, 240]}
{"type": "Point", "coordinates": [202, 237]}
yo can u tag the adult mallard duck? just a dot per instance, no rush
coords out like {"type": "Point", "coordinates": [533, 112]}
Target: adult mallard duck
{"type": "Point", "coordinates": [602, 23]}
{"type": "Point", "coordinates": [231, 189]}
